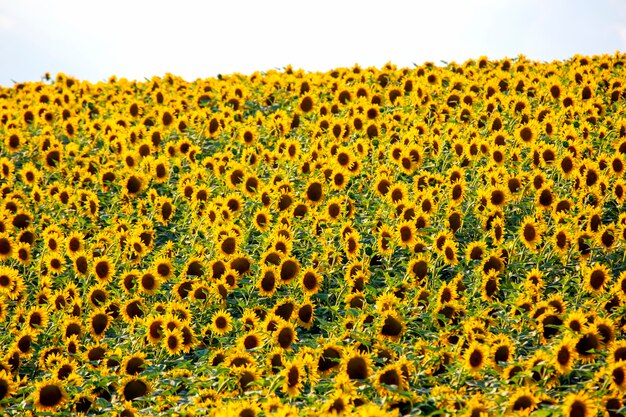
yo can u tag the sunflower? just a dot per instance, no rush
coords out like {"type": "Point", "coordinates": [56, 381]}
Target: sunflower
{"type": "Point", "coordinates": [334, 209]}
{"type": "Point", "coordinates": [619, 288]}
{"type": "Point", "coordinates": [561, 240]}
{"type": "Point", "coordinates": [165, 209]}
{"type": "Point", "coordinates": [37, 317]}
{"type": "Point", "coordinates": [449, 251]}
{"type": "Point", "coordinates": [71, 326]}
{"type": "Point", "coordinates": [522, 401]}
{"type": "Point", "coordinates": [99, 320]}
{"type": "Point", "coordinates": [498, 197]}
{"type": "Point", "coordinates": [490, 283]}
{"type": "Point", "coordinates": [587, 344]}
{"type": "Point", "coordinates": [314, 193]}
{"type": "Point", "coordinates": [382, 184]}
{"type": "Point", "coordinates": [306, 103]}
{"type": "Point", "coordinates": [188, 337]}
{"type": "Point", "coordinates": [475, 250]}
{"type": "Point", "coordinates": [285, 335]}
{"type": "Point", "coordinates": [619, 190]}
{"type": "Point", "coordinates": [172, 340]}
{"type": "Point", "coordinates": [8, 387]}
{"type": "Point", "coordinates": [74, 243]}
{"type": "Point", "coordinates": [155, 326]}
{"type": "Point", "coordinates": [194, 267]}
{"type": "Point", "coordinates": [134, 184]}
{"type": "Point", "coordinates": [221, 322]}
{"type": "Point", "coordinates": [252, 339]}
{"type": "Point", "coordinates": [612, 404]}
{"type": "Point", "coordinates": [66, 370]}
{"type": "Point", "coordinates": [133, 310]}
{"type": "Point", "coordinates": [576, 321]}
{"type": "Point", "coordinates": [53, 158]}
{"type": "Point", "coordinates": [49, 395]}
{"type": "Point", "coordinates": [398, 194]}
{"type": "Point", "coordinates": [617, 375]}
{"type": "Point", "coordinates": [163, 268]}
{"type": "Point", "coordinates": [385, 240]}
{"type": "Point", "coordinates": [339, 178]}
{"type": "Point", "coordinates": [103, 269]}
{"type": "Point", "coordinates": [282, 240]}
{"type": "Point", "coordinates": [289, 269]}
{"type": "Point", "coordinates": [262, 219]}
{"type": "Point", "coordinates": [596, 278]}
{"type": "Point", "coordinates": [530, 233]}
{"type": "Point", "coordinates": [339, 403]}
{"type": "Point", "coordinates": [8, 279]}
{"type": "Point", "coordinates": [284, 308]}
{"type": "Point", "coordinates": [54, 262]}
{"type": "Point", "coordinates": [13, 140]}
{"type": "Point", "coordinates": [534, 282]}
{"type": "Point", "coordinates": [578, 405]}
{"type": "Point", "coordinates": [24, 342]}
{"type": "Point", "coordinates": [607, 237]}
{"type": "Point", "coordinates": [160, 169]}
{"type": "Point", "coordinates": [133, 387]}
{"type": "Point", "coordinates": [293, 374]}
{"type": "Point", "coordinates": [356, 365]}
{"type": "Point", "coordinates": [329, 358]}
{"type": "Point", "coordinates": [149, 282]}
{"type": "Point", "coordinates": [390, 379]}
{"type": "Point", "coordinates": [306, 314]}
{"type": "Point", "coordinates": [475, 357]}
{"type": "Point", "coordinates": [268, 280]}
{"type": "Point", "coordinates": [352, 245]}
{"type": "Point", "coordinates": [406, 233]}
{"type": "Point", "coordinates": [6, 246]}
{"type": "Point", "coordinates": [501, 351]}
{"type": "Point", "coordinates": [418, 267]}
{"type": "Point", "coordinates": [391, 325]}
{"type": "Point", "coordinates": [228, 244]}
{"type": "Point", "coordinates": [311, 281]}
{"type": "Point", "coordinates": [497, 230]}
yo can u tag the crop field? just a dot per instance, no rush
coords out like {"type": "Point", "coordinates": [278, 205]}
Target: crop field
{"type": "Point", "coordinates": [440, 240]}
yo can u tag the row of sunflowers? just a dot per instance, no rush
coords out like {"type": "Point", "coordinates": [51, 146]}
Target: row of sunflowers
{"type": "Point", "coordinates": [443, 240]}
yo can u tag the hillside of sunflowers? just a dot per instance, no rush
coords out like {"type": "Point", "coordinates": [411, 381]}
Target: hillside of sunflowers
{"type": "Point", "coordinates": [440, 240]}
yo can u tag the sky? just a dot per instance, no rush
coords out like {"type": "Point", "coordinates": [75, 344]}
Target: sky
{"type": "Point", "coordinates": [137, 39]}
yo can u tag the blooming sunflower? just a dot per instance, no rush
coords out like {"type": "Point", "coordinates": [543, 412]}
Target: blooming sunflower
{"type": "Point", "coordinates": [356, 365]}
{"type": "Point", "coordinates": [173, 340]}
{"type": "Point", "coordinates": [294, 375]}
{"type": "Point", "coordinates": [596, 277]}
{"type": "Point", "coordinates": [578, 405]}
{"type": "Point", "coordinates": [221, 322]}
{"type": "Point", "coordinates": [103, 268]}
{"type": "Point", "coordinates": [133, 387]}
{"type": "Point", "coordinates": [49, 395]}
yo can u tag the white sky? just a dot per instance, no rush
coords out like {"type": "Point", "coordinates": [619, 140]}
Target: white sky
{"type": "Point", "coordinates": [138, 39]}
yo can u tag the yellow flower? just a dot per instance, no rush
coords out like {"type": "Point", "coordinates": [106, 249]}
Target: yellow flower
{"type": "Point", "coordinates": [6, 247]}
{"type": "Point", "coordinates": [103, 269]}
{"type": "Point", "coordinates": [293, 374]}
{"type": "Point", "coordinates": [578, 405]}
{"type": "Point", "coordinates": [133, 387]}
{"type": "Point", "coordinates": [530, 233]}
{"type": "Point", "coordinates": [172, 340]}
{"type": "Point", "coordinates": [221, 322]}
{"type": "Point", "coordinates": [406, 234]}
{"type": "Point", "coordinates": [475, 357]}
{"type": "Point", "coordinates": [49, 395]}
{"type": "Point", "coordinates": [596, 278]}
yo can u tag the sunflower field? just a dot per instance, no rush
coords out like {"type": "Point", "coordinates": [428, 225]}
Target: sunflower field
{"type": "Point", "coordinates": [441, 240]}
